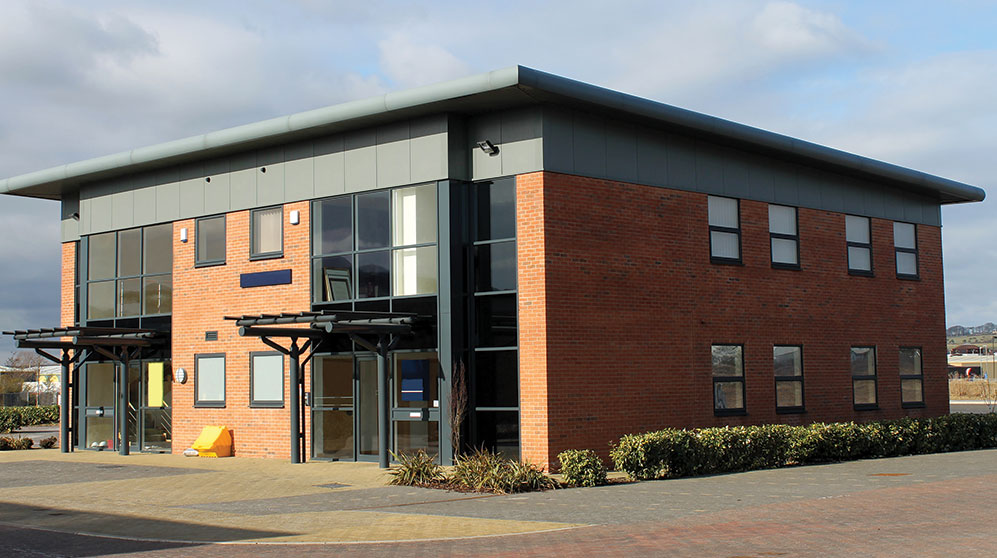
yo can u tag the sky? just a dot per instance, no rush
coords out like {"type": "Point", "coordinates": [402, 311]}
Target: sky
{"type": "Point", "coordinates": [912, 83]}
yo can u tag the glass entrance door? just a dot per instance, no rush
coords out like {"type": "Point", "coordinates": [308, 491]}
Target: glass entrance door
{"type": "Point", "coordinates": [415, 409]}
{"type": "Point", "coordinates": [149, 386]}
{"type": "Point", "coordinates": [333, 408]}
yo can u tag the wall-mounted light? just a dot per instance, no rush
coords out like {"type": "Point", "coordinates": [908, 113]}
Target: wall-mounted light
{"type": "Point", "coordinates": [295, 217]}
{"type": "Point", "coordinates": [183, 234]}
{"type": "Point", "coordinates": [75, 216]}
{"type": "Point", "coordinates": [488, 147]}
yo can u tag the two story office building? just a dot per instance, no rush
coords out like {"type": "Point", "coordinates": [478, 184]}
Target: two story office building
{"type": "Point", "coordinates": [567, 263]}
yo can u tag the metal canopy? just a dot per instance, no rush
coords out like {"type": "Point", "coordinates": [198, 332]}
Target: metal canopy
{"type": "Point", "coordinates": [116, 343]}
{"type": "Point", "coordinates": [315, 327]}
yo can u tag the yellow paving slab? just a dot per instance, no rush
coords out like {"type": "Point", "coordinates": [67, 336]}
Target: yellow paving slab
{"type": "Point", "coordinates": [150, 507]}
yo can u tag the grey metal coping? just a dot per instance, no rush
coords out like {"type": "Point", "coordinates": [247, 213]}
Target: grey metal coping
{"type": "Point", "coordinates": [508, 87]}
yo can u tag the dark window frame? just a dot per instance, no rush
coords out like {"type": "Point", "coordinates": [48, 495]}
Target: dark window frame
{"type": "Point", "coordinates": [866, 246]}
{"type": "Point", "coordinates": [85, 282]}
{"type": "Point", "coordinates": [266, 403]}
{"type": "Point", "coordinates": [732, 230]}
{"type": "Point", "coordinates": [783, 236]}
{"type": "Point", "coordinates": [726, 411]}
{"type": "Point", "coordinates": [865, 377]}
{"type": "Point", "coordinates": [916, 276]}
{"type": "Point", "coordinates": [197, 241]}
{"type": "Point", "coordinates": [210, 404]}
{"type": "Point", "coordinates": [918, 377]}
{"type": "Point", "coordinates": [794, 408]}
{"type": "Point", "coordinates": [252, 234]}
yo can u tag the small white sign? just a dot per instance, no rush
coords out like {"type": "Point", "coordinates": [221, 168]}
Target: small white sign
{"type": "Point", "coordinates": [415, 415]}
{"type": "Point", "coordinates": [436, 402]}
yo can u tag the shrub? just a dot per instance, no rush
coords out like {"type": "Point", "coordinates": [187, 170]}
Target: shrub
{"type": "Point", "coordinates": [8, 443]}
{"type": "Point", "coordinates": [417, 469]}
{"type": "Point", "coordinates": [582, 468]}
{"type": "Point", "coordinates": [679, 453]}
{"type": "Point", "coordinates": [49, 442]}
{"type": "Point", "coordinates": [484, 471]}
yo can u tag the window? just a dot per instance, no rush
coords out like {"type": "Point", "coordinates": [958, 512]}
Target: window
{"type": "Point", "coordinates": [905, 246]}
{"type": "Point", "coordinates": [911, 377]}
{"type": "Point", "coordinates": [210, 241]}
{"type": "Point", "coordinates": [266, 380]}
{"type": "Point", "coordinates": [725, 230]}
{"type": "Point", "coordinates": [266, 233]}
{"type": "Point", "coordinates": [787, 362]}
{"type": "Point", "coordinates": [784, 237]}
{"type": "Point", "coordinates": [728, 379]}
{"type": "Point", "coordinates": [129, 273]}
{"type": "Point", "coordinates": [209, 380]}
{"type": "Point", "coordinates": [859, 241]}
{"type": "Point", "coordinates": [864, 377]}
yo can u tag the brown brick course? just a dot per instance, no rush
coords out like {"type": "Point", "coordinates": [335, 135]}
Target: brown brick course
{"type": "Point", "coordinates": [619, 305]}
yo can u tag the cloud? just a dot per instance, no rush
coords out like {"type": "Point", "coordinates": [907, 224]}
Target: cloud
{"type": "Point", "coordinates": [410, 63]}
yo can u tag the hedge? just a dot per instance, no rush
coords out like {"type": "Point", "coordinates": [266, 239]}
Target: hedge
{"type": "Point", "coordinates": [704, 451]}
{"type": "Point", "coordinates": [12, 418]}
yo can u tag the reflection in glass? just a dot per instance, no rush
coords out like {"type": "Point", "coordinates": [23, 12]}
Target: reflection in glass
{"type": "Point", "coordinates": [789, 394]}
{"type": "Point", "coordinates": [865, 392]}
{"type": "Point", "coordinates": [158, 294]}
{"type": "Point", "coordinates": [129, 297]}
{"type": "Point", "coordinates": [100, 432]}
{"type": "Point", "coordinates": [373, 275]}
{"type": "Point", "coordinates": [496, 210]}
{"type": "Point", "coordinates": [100, 384]}
{"type": "Point", "coordinates": [158, 248]}
{"type": "Point", "coordinates": [496, 379]}
{"type": "Point", "coordinates": [334, 434]}
{"type": "Point", "coordinates": [373, 221]}
{"type": "Point", "coordinates": [334, 382]}
{"type": "Point", "coordinates": [496, 320]}
{"type": "Point", "coordinates": [367, 402]}
{"type": "Point", "coordinates": [100, 258]}
{"type": "Point", "coordinates": [267, 231]}
{"type": "Point", "coordinates": [333, 226]}
{"type": "Point", "coordinates": [156, 430]}
{"type": "Point", "coordinates": [728, 395]}
{"type": "Point", "coordinates": [727, 360]}
{"type": "Point", "coordinates": [498, 431]}
{"type": "Point", "coordinates": [211, 239]}
{"type": "Point", "coordinates": [911, 391]}
{"type": "Point", "coordinates": [129, 252]}
{"type": "Point", "coordinates": [412, 436]}
{"type": "Point", "coordinates": [495, 267]}
{"type": "Point", "coordinates": [100, 300]}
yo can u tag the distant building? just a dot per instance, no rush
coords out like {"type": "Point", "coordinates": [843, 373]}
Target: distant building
{"type": "Point", "coordinates": [598, 263]}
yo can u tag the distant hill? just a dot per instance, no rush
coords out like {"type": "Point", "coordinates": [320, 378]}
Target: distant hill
{"type": "Point", "coordinates": [958, 330]}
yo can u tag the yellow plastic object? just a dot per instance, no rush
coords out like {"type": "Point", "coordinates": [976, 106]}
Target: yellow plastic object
{"type": "Point", "coordinates": [214, 441]}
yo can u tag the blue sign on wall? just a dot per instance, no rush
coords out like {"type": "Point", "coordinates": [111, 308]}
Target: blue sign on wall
{"type": "Point", "coordinates": [265, 278]}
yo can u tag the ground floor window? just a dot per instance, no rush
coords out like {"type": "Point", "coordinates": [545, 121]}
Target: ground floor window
{"type": "Point", "coordinates": [787, 363]}
{"type": "Point", "coordinates": [266, 371]}
{"type": "Point", "coordinates": [209, 380]}
{"type": "Point", "coordinates": [864, 377]}
{"type": "Point", "coordinates": [911, 377]}
{"type": "Point", "coordinates": [728, 379]}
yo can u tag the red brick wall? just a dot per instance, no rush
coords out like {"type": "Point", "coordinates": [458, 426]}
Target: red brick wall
{"type": "Point", "coordinates": [619, 305]}
{"type": "Point", "coordinates": [202, 297]}
{"type": "Point", "coordinates": [68, 286]}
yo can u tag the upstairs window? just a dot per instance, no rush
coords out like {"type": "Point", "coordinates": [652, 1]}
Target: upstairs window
{"type": "Point", "coordinates": [905, 246]}
{"type": "Point", "coordinates": [784, 237]}
{"type": "Point", "coordinates": [859, 240]}
{"type": "Point", "coordinates": [266, 233]}
{"type": "Point", "coordinates": [725, 230]}
{"type": "Point", "coordinates": [728, 379]}
{"type": "Point", "coordinates": [210, 241]}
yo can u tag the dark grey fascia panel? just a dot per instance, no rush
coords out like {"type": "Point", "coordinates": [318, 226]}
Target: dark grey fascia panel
{"type": "Point", "coordinates": [498, 90]}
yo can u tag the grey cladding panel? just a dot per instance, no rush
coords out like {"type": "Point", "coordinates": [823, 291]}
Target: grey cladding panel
{"type": "Point", "coordinates": [558, 141]}
{"type": "Point", "coordinates": [168, 202]}
{"type": "Point", "coordinates": [709, 169]}
{"type": "Point", "coordinates": [428, 155]}
{"type": "Point", "coordinates": [270, 176]}
{"type": "Point", "coordinates": [735, 171]}
{"type": "Point", "coordinates": [621, 151]}
{"type": "Point", "coordinates": [242, 181]}
{"type": "Point", "coordinates": [299, 172]}
{"type": "Point", "coordinates": [330, 167]}
{"type": "Point", "coordinates": [123, 210]}
{"type": "Point", "coordinates": [361, 161]}
{"type": "Point", "coordinates": [100, 214]}
{"type": "Point", "coordinates": [486, 127]}
{"type": "Point", "coordinates": [191, 191]}
{"type": "Point", "coordinates": [590, 146]}
{"type": "Point", "coordinates": [145, 206]}
{"type": "Point", "coordinates": [652, 158]}
{"type": "Point", "coordinates": [394, 159]}
{"type": "Point", "coordinates": [681, 164]}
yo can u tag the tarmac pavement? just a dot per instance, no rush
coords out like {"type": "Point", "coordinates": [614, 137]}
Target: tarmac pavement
{"type": "Point", "coordinates": [98, 503]}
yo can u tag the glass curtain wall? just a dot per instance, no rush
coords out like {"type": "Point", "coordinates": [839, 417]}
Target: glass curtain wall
{"type": "Point", "coordinates": [495, 358]}
{"type": "Point", "coordinates": [129, 277]}
{"type": "Point", "coordinates": [374, 251]}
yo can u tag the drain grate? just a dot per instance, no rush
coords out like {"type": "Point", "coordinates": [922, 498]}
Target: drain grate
{"type": "Point", "coordinates": [110, 466]}
{"type": "Point", "coordinates": [332, 485]}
